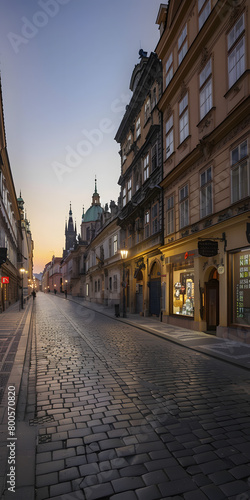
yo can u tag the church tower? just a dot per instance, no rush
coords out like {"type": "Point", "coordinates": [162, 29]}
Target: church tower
{"type": "Point", "coordinates": [70, 233]}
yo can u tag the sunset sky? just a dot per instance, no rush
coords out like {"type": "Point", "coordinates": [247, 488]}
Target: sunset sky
{"type": "Point", "coordinates": [65, 68]}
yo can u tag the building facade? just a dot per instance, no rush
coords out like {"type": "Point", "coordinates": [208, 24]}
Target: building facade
{"type": "Point", "coordinates": [204, 49]}
{"type": "Point", "coordinates": [140, 215]}
{"type": "Point", "coordinates": [11, 233]}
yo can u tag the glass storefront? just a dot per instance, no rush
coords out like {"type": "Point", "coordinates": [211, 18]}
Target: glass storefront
{"type": "Point", "coordinates": [240, 287]}
{"type": "Point", "coordinates": [183, 290]}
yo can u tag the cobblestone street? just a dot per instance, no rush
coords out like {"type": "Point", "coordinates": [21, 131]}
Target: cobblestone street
{"type": "Point", "coordinates": [123, 414]}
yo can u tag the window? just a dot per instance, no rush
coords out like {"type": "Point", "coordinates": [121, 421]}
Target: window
{"type": "Point", "coordinates": [115, 244]}
{"type": "Point", "coordinates": [129, 143]}
{"type": "Point", "coordinates": [115, 282]}
{"type": "Point", "coordinates": [124, 196]}
{"type": "Point", "coordinates": [169, 136]}
{"type": "Point", "coordinates": [206, 193]}
{"type": "Point", "coordinates": [95, 286]}
{"type": "Point", "coordinates": [183, 118]}
{"type": "Point", "coordinates": [110, 283]}
{"type": "Point", "coordinates": [204, 9]}
{"type": "Point", "coordinates": [154, 98]}
{"type": "Point", "coordinates": [206, 90]}
{"type": "Point", "coordinates": [183, 198]}
{"type": "Point", "coordinates": [170, 214]}
{"type": "Point", "coordinates": [147, 110]}
{"type": "Point", "coordinates": [99, 285]}
{"type": "Point", "coordinates": [110, 248]}
{"type": "Point", "coordinates": [129, 190]}
{"type": "Point", "coordinates": [146, 167]}
{"type": "Point", "coordinates": [155, 223]}
{"type": "Point", "coordinates": [146, 229]}
{"type": "Point", "coordinates": [240, 172]}
{"type": "Point", "coordinates": [87, 289]}
{"type": "Point", "coordinates": [138, 128]}
{"type": "Point", "coordinates": [124, 156]}
{"type": "Point", "coordinates": [137, 181]}
{"type": "Point", "coordinates": [236, 51]}
{"type": "Point", "coordinates": [182, 44]}
{"type": "Point", "coordinates": [154, 157]}
{"type": "Point", "coordinates": [169, 69]}
{"type": "Point", "coordinates": [183, 289]}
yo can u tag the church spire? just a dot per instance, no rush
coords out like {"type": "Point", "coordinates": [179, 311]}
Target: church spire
{"type": "Point", "coordinates": [95, 197]}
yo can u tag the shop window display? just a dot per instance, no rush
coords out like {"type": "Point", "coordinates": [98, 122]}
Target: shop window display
{"type": "Point", "coordinates": [183, 292]}
{"type": "Point", "coordinates": [241, 287]}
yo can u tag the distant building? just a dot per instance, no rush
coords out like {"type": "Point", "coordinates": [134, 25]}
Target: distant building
{"type": "Point", "coordinates": [70, 234]}
{"type": "Point", "coordinates": [26, 255]}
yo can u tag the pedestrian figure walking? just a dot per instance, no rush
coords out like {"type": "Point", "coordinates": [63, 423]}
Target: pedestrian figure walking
{"type": "Point", "coordinates": [34, 294]}
{"type": "Point", "coordinates": [65, 293]}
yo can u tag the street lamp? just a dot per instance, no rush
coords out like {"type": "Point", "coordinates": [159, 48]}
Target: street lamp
{"type": "Point", "coordinates": [124, 254]}
{"type": "Point", "coordinates": [22, 271]}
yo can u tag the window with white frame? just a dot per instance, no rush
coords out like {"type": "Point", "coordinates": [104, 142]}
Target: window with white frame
{"type": "Point", "coordinates": [183, 118]}
{"type": "Point", "coordinates": [204, 9]}
{"type": "Point", "coordinates": [147, 110]}
{"type": "Point", "coordinates": [154, 156]}
{"type": "Point", "coordinates": [184, 206]}
{"type": "Point", "coordinates": [138, 128]}
{"type": "Point", "coordinates": [182, 44]}
{"type": "Point", "coordinates": [124, 156]}
{"type": "Point", "coordinates": [124, 196]}
{"type": "Point", "coordinates": [206, 101]}
{"type": "Point", "coordinates": [146, 226]}
{"type": "Point", "coordinates": [129, 143]}
{"type": "Point", "coordinates": [169, 69]}
{"type": "Point", "coordinates": [170, 214]}
{"type": "Point", "coordinates": [115, 244]}
{"type": "Point", "coordinates": [146, 167]}
{"type": "Point", "coordinates": [155, 222]}
{"type": "Point", "coordinates": [137, 180]}
{"type": "Point", "coordinates": [240, 176]}
{"type": "Point", "coordinates": [154, 97]}
{"type": "Point", "coordinates": [169, 136]}
{"type": "Point", "coordinates": [129, 189]}
{"type": "Point", "coordinates": [236, 51]}
{"type": "Point", "coordinates": [206, 207]}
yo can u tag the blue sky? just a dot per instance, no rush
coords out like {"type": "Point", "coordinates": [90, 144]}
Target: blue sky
{"type": "Point", "coordinates": [66, 67]}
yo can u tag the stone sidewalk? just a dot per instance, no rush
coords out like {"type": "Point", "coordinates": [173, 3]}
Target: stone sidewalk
{"type": "Point", "coordinates": [15, 338]}
{"type": "Point", "coordinates": [234, 352]}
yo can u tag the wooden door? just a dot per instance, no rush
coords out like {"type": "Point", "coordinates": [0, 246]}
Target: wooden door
{"type": "Point", "coordinates": [212, 304]}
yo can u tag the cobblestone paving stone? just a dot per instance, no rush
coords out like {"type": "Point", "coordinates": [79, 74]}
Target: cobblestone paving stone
{"type": "Point", "coordinates": [124, 415]}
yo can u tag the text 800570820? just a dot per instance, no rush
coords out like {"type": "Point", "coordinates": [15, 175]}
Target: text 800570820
{"type": "Point", "coordinates": [11, 475]}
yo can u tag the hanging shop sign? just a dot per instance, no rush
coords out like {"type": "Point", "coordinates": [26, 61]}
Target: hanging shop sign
{"type": "Point", "coordinates": [208, 248]}
{"type": "Point", "coordinates": [5, 279]}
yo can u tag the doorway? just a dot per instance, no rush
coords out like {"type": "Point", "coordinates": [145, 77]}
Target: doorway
{"type": "Point", "coordinates": [212, 301]}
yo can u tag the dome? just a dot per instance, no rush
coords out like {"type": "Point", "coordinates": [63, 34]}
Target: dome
{"type": "Point", "coordinates": [93, 213]}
